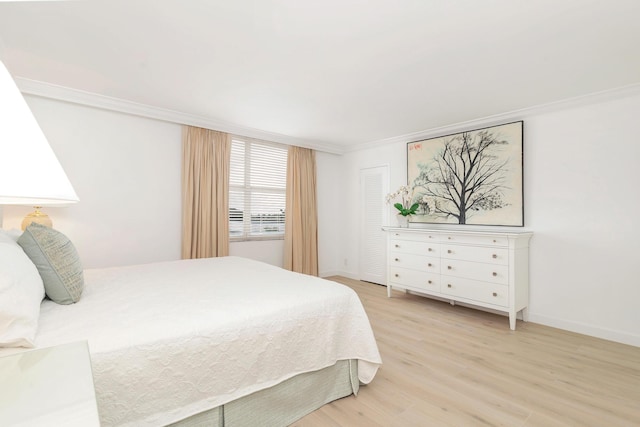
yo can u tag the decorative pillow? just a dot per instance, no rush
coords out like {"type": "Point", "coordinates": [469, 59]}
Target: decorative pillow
{"type": "Point", "coordinates": [57, 262]}
{"type": "Point", "coordinates": [21, 293]}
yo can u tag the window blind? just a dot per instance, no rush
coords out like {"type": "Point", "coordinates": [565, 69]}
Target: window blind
{"type": "Point", "coordinates": [257, 184]}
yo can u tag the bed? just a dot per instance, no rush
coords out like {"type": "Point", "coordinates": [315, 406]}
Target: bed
{"type": "Point", "coordinates": [220, 341]}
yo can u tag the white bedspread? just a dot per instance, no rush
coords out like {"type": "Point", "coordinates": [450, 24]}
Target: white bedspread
{"type": "Point", "coordinates": [169, 340]}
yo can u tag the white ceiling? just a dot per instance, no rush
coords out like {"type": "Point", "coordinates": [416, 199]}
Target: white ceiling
{"type": "Point", "coordinates": [336, 72]}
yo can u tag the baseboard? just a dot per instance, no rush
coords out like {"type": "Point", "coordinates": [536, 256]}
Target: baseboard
{"type": "Point", "coordinates": [582, 328]}
{"type": "Point", "coordinates": [348, 275]}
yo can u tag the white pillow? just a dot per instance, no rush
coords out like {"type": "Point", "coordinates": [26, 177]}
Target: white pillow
{"type": "Point", "coordinates": [21, 292]}
{"type": "Point", "coordinates": [14, 233]}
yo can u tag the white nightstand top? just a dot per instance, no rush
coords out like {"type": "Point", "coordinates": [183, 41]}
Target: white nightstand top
{"type": "Point", "coordinates": [48, 387]}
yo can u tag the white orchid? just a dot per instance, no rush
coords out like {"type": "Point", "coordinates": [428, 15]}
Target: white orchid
{"type": "Point", "coordinates": [405, 193]}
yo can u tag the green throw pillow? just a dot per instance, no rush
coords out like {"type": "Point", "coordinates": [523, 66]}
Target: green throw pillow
{"type": "Point", "coordinates": [57, 262]}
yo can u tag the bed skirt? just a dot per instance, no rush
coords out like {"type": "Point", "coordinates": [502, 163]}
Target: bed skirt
{"type": "Point", "coordinates": [284, 403]}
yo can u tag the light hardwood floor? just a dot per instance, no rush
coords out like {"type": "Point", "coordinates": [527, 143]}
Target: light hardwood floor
{"type": "Point", "coordinates": [449, 365]}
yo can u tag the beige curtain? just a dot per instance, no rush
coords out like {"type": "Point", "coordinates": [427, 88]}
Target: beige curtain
{"type": "Point", "coordinates": [301, 214]}
{"type": "Point", "coordinates": [206, 155]}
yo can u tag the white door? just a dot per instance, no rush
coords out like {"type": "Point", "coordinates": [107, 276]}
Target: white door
{"type": "Point", "coordinates": [374, 185]}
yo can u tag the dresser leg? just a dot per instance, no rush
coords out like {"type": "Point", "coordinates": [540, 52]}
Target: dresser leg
{"type": "Point", "coordinates": [512, 320]}
{"type": "Point", "coordinates": [525, 314]}
{"type": "Point", "coordinates": [388, 291]}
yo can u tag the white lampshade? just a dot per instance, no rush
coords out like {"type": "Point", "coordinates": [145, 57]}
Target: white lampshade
{"type": "Point", "coordinates": [30, 173]}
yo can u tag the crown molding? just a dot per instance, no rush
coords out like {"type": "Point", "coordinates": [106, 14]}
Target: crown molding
{"type": "Point", "coordinates": [75, 96]}
{"type": "Point", "coordinates": [90, 99]}
{"type": "Point", "coordinates": [515, 115]}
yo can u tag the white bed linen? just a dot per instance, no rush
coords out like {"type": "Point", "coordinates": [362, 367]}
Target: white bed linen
{"type": "Point", "coordinates": [169, 340]}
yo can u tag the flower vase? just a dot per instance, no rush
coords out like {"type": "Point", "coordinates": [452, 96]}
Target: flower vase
{"type": "Point", "coordinates": [403, 221]}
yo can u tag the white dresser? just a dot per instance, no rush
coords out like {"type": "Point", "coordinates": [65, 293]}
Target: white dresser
{"type": "Point", "coordinates": [482, 268]}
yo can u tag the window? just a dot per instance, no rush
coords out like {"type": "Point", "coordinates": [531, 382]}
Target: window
{"type": "Point", "coordinates": [257, 185]}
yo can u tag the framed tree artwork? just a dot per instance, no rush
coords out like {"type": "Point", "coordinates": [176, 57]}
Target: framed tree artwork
{"type": "Point", "coordinates": [472, 177]}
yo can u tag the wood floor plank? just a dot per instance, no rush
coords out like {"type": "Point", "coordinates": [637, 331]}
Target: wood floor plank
{"type": "Point", "coordinates": [449, 365]}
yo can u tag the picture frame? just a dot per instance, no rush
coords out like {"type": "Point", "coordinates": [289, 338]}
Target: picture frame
{"type": "Point", "coordinates": [472, 177]}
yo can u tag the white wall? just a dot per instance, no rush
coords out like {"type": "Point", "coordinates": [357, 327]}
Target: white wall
{"type": "Point", "coordinates": [331, 213]}
{"type": "Point", "coordinates": [269, 251]}
{"type": "Point", "coordinates": [580, 170]}
{"type": "Point", "coordinates": [126, 172]}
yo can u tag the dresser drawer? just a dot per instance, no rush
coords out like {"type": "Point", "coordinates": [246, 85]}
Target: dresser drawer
{"type": "Point", "coordinates": [491, 255]}
{"type": "Point", "coordinates": [414, 247]}
{"type": "Point", "coordinates": [475, 290]}
{"type": "Point", "coordinates": [471, 239]}
{"type": "Point", "coordinates": [414, 279]}
{"type": "Point", "coordinates": [416, 262]}
{"type": "Point", "coordinates": [493, 273]}
{"type": "Point", "coordinates": [421, 237]}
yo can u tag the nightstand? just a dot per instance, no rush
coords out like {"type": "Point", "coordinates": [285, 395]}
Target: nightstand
{"type": "Point", "coordinates": [48, 387]}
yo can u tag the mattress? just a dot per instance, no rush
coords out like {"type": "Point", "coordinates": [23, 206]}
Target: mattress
{"type": "Point", "coordinates": [170, 340]}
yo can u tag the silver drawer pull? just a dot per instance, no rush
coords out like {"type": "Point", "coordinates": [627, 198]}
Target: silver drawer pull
{"type": "Point", "coordinates": [429, 282]}
{"type": "Point", "coordinates": [429, 265]}
{"type": "Point", "coordinates": [449, 251]}
{"type": "Point", "coordinates": [449, 285]}
{"type": "Point", "coordinates": [397, 246]}
{"type": "Point", "coordinates": [429, 250]}
{"type": "Point", "coordinates": [397, 275]}
{"type": "Point", "coordinates": [397, 259]}
{"type": "Point", "coordinates": [495, 294]}
{"type": "Point", "coordinates": [495, 274]}
{"type": "Point", "coordinates": [449, 267]}
{"type": "Point", "coordinates": [494, 256]}
{"type": "Point", "coordinates": [495, 241]}
{"type": "Point", "coordinates": [449, 237]}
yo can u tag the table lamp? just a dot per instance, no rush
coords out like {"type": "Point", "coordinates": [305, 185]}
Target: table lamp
{"type": "Point", "coordinates": [30, 173]}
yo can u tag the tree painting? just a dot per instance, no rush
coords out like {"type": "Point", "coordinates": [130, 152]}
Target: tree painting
{"type": "Point", "coordinates": [472, 177]}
